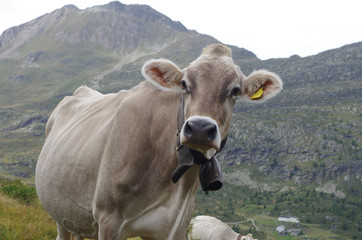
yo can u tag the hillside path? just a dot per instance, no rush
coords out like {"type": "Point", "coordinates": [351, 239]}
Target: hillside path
{"type": "Point", "coordinates": [251, 220]}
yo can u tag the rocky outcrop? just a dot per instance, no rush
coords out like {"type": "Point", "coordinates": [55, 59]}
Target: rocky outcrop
{"type": "Point", "coordinates": [32, 123]}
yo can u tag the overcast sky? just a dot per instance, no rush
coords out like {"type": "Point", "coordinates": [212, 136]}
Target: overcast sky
{"type": "Point", "coordinates": [269, 28]}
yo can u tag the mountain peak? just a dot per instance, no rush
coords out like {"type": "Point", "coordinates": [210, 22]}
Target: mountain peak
{"type": "Point", "coordinates": [113, 26]}
{"type": "Point", "coordinates": [115, 5]}
{"type": "Point", "coordinates": [71, 7]}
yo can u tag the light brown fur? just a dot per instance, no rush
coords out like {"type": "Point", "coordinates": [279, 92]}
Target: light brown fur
{"type": "Point", "coordinates": [217, 50]}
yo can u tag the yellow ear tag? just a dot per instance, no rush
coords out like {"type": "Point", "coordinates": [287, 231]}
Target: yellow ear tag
{"type": "Point", "coordinates": [258, 94]}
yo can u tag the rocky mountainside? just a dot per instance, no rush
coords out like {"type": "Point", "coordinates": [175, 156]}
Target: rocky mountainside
{"type": "Point", "coordinates": [312, 130]}
{"type": "Point", "coordinates": [308, 137]}
{"type": "Point", "coordinates": [98, 46]}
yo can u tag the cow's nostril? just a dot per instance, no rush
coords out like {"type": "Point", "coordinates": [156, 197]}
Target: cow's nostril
{"type": "Point", "coordinates": [211, 132]}
{"type": "Point", "coordinates": [188, 129]}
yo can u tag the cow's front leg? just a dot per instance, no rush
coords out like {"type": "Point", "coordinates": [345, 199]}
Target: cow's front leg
{"type": "Point", "coordinates": [63, 234]}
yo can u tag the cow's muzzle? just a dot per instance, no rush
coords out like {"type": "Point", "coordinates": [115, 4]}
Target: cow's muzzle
{"type": "Point", "coordinates": [201, 134]}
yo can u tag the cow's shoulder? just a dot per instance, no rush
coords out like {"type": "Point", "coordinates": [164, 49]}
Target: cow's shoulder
{"type": "Point", "coordinates": [84, 91]}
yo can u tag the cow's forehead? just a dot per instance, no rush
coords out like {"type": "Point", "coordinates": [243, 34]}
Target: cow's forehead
{"type": "Point", "coordinates": [215, 70]}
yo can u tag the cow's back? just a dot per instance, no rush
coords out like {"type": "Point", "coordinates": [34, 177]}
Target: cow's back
{"type": "Point", "coordinates": [82, 94]}
{"type": "Point", "coordinates": [68, 165]}
{"type": "Point", "coordinates": [210, 228]}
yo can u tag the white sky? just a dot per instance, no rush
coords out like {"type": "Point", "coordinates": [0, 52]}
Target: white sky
{"type": "Point", "coordinates": [269, 28]}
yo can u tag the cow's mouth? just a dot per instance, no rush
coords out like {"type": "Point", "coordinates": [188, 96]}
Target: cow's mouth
{"type": "Point", "coordinates": [207, 152]}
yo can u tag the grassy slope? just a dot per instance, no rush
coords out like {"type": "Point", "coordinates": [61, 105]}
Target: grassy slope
{"type": "Point", "coordinates": [21, 215]}
{"type": "Point", "coordinates": [23, 218]}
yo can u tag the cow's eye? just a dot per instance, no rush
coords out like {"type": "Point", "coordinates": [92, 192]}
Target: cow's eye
{"type": "Point", "coordinates": [184, 86]}
{"type": "Point", "coordinates": [235, 92]}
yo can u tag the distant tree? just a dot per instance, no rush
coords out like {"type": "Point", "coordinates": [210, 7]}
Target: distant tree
{"type": "Point", "coordinates": [236, 228]}
{"type": "Point", "coordinates": [322, 194]}
{"type": "Point", "coordinates": [276, 208]}
{"type": "Point", "coordinates": [344, 226]}
{"type": "Point", "coordinates": [307, 194]}
{"type": "Point", "coordinates": [275, 162]}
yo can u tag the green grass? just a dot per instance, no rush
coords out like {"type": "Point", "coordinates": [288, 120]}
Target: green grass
{"type": "Point", "coordinates": [17, 190]}
{"type": "Point", "coordinates": [21, 215]}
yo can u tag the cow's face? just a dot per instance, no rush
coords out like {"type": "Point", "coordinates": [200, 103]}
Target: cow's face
{"type": "Point", "coordinates": [210, 86]}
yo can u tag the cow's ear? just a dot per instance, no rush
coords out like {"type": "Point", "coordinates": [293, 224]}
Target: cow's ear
{"type": "Point", "coordinates": [260, 86]}
{"type": "Point", "coordinates": [163, 74]}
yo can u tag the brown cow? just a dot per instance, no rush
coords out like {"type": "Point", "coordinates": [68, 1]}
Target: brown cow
{"type": "Point", "coordinates": [105, 169]}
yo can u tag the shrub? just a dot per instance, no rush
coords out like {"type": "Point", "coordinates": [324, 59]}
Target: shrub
{"type": "Point", "coordinates": [17, 190]}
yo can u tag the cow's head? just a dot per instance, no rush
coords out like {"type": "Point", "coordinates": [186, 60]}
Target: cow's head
{"type": "Point", "coordinates": [210, 85]}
